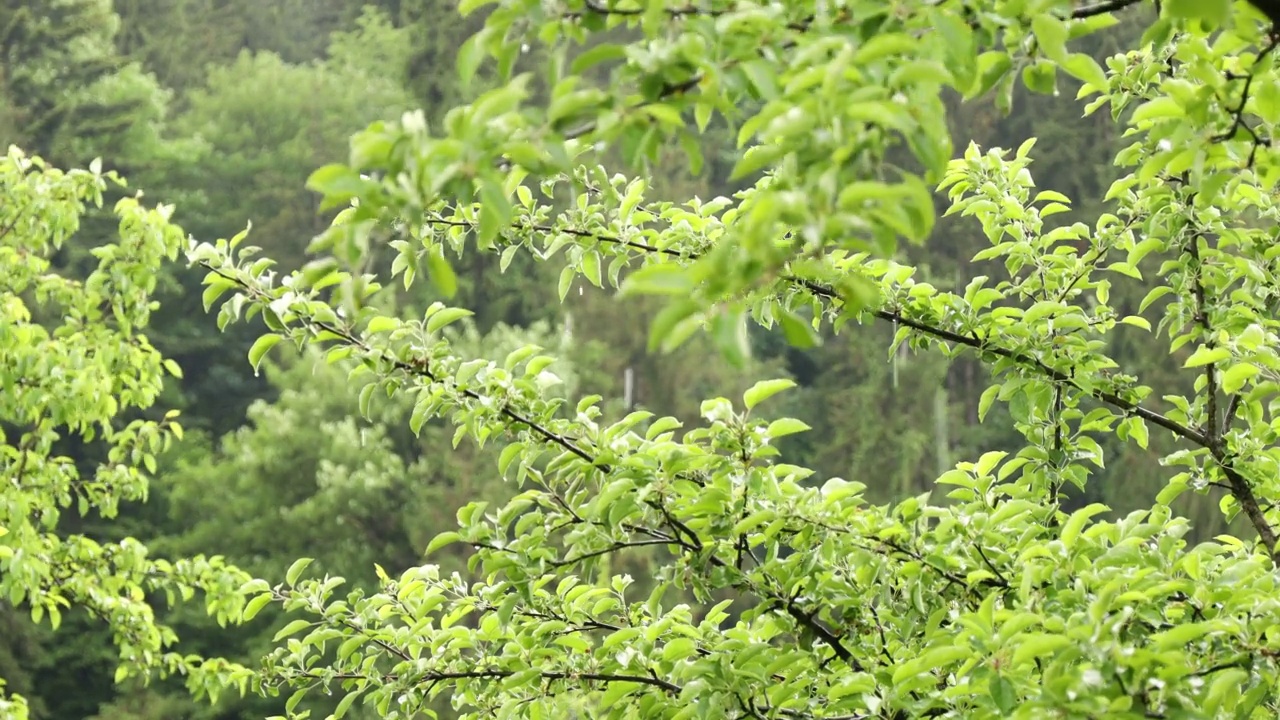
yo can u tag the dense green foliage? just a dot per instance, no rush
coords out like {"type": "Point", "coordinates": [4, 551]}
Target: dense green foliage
{"type": "Point", "coordinates": [613, 544]}
{"type": "Point", "coordinates": [76, 365]}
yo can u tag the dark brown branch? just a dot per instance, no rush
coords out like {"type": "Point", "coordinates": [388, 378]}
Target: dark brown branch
{"type": "Point", "coordinates": [599, 8]}
{"type": "Point", "coordinates": [1033, 363]}
{"type": "Point", "coordinates": [692, 545]}
{"type": "Point", "coordinates": [438, 676]}
{"type": "Point", "coordinates": [809, 619]}
{"type": "Point", "coordinates": [611, 549]}
{"type": "Point", "coordinates": [1202, 319]}
{"type": "Point", "coordinates": [585, 234]}
{"type": "Point", "coordinates": [1004, 582]}
{"type": "Point", "coordinates": [826, 293]}
{"type": "Point", "coordinates": [1244, 494]}
{"type": "Point", "coordinates": [1059, 453]}
{"type": "Point", "coordinates": [675, 13]}
{"type": "Point", "coordinates": [1238, 122]}
{"type": "Point", "coordinates": [1101, 8]}
{"type": "Point", "coordinates": [1233, 404]}
{"type": "Point", "coordinates": [17, 218]}
{"type": "Point", "coordinates": [1240, 487]}
{"type": "Point", "coordinates": [898, 319]}
{"type": "Point", "coordinates": [420, 368]}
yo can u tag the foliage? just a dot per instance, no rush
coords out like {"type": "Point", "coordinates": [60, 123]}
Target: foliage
{"type": "Point", "coordinates": [998, 603]}
{"type": "Point", "coordinates": [437, 32]}
{"type": "Point", "coordinates": [258, 126]}
{"type": "Point", "coordinates": [76, 364]}
{"type": "Point", "coordinates": [367, 492]}
{"type": "Point", "coordinates": [68, 94]}
{"type": "Point", "coordinates": [353, 494]}
{"type": "Point", "coordinates": [304, 113]}
{"type": "Point", "coordinates": [179, 39]}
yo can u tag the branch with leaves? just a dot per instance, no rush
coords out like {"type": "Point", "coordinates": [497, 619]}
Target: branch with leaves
{"type": "Point", "coordinates": [998, 602]}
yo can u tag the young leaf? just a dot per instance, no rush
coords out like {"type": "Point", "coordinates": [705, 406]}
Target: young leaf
{"type": "Point", "coordinates": [764, 390]}
{"type": "Point", "coordinates": [260, 348]}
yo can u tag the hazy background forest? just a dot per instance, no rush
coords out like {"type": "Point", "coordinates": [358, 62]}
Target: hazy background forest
{"type": "Point", "coordinates": [224, 107]}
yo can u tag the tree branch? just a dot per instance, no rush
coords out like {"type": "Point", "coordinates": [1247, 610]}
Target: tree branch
{"type": "Point", "coordinates": [1206, 438]}
{"type": "Point", "coordinates": [440, 675]}
{"type": "Point", "coordinates": [694, 543]}
{"type": "Point", "coordinates": [1101, 8]}
{"type": "Point", "coordinates": [1202, 319]}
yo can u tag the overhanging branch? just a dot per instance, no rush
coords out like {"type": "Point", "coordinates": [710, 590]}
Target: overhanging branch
{"type": "Point", "coordinates": [1239, 485]}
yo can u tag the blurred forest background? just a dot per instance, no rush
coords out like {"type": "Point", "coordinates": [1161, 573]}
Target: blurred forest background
{"type": "Point", "coordinates": [225, 106]}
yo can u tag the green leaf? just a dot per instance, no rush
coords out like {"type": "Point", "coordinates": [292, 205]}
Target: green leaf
{"type": "Point", "coordinates": [1051, 36]}
{"type": "Point", "coordinates": [443, 539]}
{"type": "Point", "coordinates": [1180, 636]}
{"type": "Point", "coordinates": [365, 400]}
{"type": "Point", "coordinates": [260, 348]}
{"type": "Point", "coordinates": [446, 316]}
{"type": "Point", "coordinates": [294, 699]}
{"type": "Point", "coordinates": [604, 52]}
{"type": "Point", "coordinates": [338, 183]}
{"type": "Point", "coordinates": [345, 704]}
{"type": "Point", "coordinates": [1074, 524]}
{"type": "Point", "coordinates": [855, 683]}
{"type": "Point", "coordinates": [786, 426]}
{"type": "Point", "coordinates": [1136, 321]}
{"type": "Point", "coordinates": [664, 114]}
{"type": "Point", "coordinates": [1052, 196]}
{"type": "Point", "coordinates": [1137, 428]}
{"type": "Point", "coordinates": [1176, 487]}
{"type": "Point", "coordinates": [665, 278]}
{"type": "Point", "coordinates": [1087, 70]}
{"type": "Point", "coordinates": [173, 368]}
{"type": "Point", "coordinates": [1205, 355]}
{"type": "Point", "coordinates": [660, 426]}
{"type": "Point", "coordinates": [466, 7]}
{"type": "Point", "coordinates": [349, 646]}
{"type": "Point", "coordinates": [729, 333]}
{"type": "Point", "coordinates": [679, 649]}
{"type": "Point", "coordinates": [757, 158]}
{"type": "Point", "coordinates": [1161, 107]}
{"type": "Point", "coordinates": [292, 628]}
{"type": "Point", "coordinates": [662, 331]}
{"type": "Point", "coordinates": [993, 66]}
{"type": "Point", "coordinates": [470, 55]}
{"type": "Point", "coordinates": [798, 333]}
{"type": "Point", "coordinates": [215, 290]}
{"type": "Point", "coordinates": [1036, 645]}
{"type": "Point", "coordinates": [1235, 377]}
{"type": "Point", "coordinates": [381, 324]}
{"type": "Point", "coordinates": [441, 273]}
{"type": "Point", "coordinates": [1041, 77]}
{"type": "Point", "coordinates": [295, 570]}
{"type": "Point", "coordinates": [566, 282]}
{"type": "Point", "coordinates": [509, 454]}
{"type": "Point", "coordinates": [254, 606]}
{"type": "Point", "coordinates": [884, 45]}
{"type": "Point", "coordinates": [761, 76]}
{"type": "Point", "coordinates": [591, 267]}
{"type": "Point", "coordinates": [1003, 694]}
{"type": "Point", "coordinates": [986, 400]}
{"type": "Point", "coordinates": [941, 657]}
{"type": "Point", "coordinates": [1216, 12]}
{"type": "Point", "coordinates": [764, 390]}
